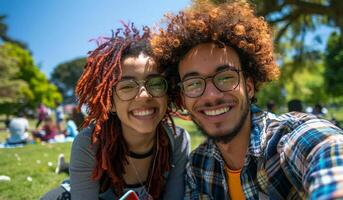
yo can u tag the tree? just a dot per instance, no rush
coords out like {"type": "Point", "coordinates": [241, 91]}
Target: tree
{"type": "Point", "coordinates": [66, 75]}
{"type": "Point", "coordinates": [334, 67]}
{"type": "Point", "coordinates": [28, 85]}
{"type": "Point", "coordinates": [11, 88]}
{"type": "Point", "coordinates": [292, 20]}
{"type": "Point", "coordinates": [3, 33]}
{"type": "Point", "coordinates": [298, 16]}
{"type": "Point", "coordinates": [307, 84]}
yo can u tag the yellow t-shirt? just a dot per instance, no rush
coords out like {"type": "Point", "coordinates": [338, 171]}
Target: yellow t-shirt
{"type": "Point", "coordinates": [234, 184]}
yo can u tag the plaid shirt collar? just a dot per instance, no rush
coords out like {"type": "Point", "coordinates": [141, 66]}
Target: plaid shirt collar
{"type": "Point", "coordinates": [259, 121]}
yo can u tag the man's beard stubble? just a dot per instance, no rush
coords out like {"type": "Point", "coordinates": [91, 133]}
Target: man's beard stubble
{"type": "Point", "coordinates": [232, 133]}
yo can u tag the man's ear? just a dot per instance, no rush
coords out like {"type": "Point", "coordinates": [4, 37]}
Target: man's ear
{"type": "Point", "coordinates": [250, 86]}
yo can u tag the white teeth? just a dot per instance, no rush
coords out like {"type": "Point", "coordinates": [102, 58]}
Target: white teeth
{"type": "Point", "coordinates": [216, 112]}
{"type": "Point", "coordinates": [143, 112]}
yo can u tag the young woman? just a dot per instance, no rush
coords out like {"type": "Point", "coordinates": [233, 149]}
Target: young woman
{"type": "Point", "coordinates": [128, 143]}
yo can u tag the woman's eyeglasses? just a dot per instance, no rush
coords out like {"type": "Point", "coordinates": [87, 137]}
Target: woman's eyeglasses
{"type": "Point", "coordinates": [127, 89]}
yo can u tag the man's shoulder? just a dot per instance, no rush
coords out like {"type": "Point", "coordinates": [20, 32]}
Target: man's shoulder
{"type": "Point", "coordinates": [304, 130]}
{"type": "Point", "coordinates": [204, 151]}
{"type": "Point", "coordinates": [295, 121]}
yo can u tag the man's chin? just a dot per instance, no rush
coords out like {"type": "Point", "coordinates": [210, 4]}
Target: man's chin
{"type": "Point", "coordinates": [218, 135]}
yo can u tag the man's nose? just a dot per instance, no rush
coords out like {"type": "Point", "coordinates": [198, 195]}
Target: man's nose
{"type": "Point", "coordinates": [211, 91]}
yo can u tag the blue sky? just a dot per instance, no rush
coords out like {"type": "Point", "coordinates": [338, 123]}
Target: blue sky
{"type": "Point", "coordinates": [57, 31]}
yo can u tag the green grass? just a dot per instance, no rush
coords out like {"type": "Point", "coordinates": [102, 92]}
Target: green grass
{"type": "Point", "coordinates": [196, 137]}
{"type": "Point", "coordinates": [37, 161]}
{"type": "Point", "coordinates": [32, 161]}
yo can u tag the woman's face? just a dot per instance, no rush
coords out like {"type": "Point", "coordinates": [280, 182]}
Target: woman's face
{"type": "Point", "coordinates": [139, 112]}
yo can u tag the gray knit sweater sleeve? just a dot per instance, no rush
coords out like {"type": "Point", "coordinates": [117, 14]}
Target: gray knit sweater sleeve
{"type": "Point", "coordinates": [83, 161]}
{"type": "Point", "coordinates": [181, 148]}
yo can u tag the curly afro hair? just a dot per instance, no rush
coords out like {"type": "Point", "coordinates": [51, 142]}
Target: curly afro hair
{"type": "Point", "coordinates": [233, 24]}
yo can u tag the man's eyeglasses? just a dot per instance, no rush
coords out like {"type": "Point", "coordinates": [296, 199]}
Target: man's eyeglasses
{"type": "Point", "coordinates": [224, 81]}
{"type": "Point", "coordinates": [127, 89]}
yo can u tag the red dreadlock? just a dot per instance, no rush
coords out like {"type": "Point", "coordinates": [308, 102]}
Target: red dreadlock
{"type": "Point", "coordinates": [94, 89]}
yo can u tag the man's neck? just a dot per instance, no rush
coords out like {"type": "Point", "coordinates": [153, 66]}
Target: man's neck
{"type": "Point", "coordinates": [234, 152]}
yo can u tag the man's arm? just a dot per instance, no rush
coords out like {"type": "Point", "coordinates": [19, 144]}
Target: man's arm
{"type": "Point", "coordinates": [314, 152]}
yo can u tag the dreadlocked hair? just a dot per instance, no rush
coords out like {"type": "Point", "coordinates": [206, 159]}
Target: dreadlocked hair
{"type": "Point", "coordinates": [94, 89]}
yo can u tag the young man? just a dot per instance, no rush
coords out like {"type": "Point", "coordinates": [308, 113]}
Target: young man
{"type": "Point", "coordinates": [220, 56]}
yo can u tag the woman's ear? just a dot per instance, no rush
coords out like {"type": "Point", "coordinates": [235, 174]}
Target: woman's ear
{"type": "Point", "coordinates": [113, 108]}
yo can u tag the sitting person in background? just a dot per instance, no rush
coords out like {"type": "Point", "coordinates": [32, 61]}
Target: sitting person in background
{"type": "Point", "coordinates": [48, 132]}
{"type": "Point", "coordinates": [77, 117]}
{"type": "Point", "coordinates": [18, 128]}
{"type": "Point", "coordinates": [71, 129]}
{"type": "Point", "coordinates": [295, 105]}
{"type": "Point", "coordinates": [42, 114]}
{"type": "Point", "coordinates": [59, 114]}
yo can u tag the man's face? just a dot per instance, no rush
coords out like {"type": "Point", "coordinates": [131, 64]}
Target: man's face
{"type": "Point", "coordinates": [221, 115]}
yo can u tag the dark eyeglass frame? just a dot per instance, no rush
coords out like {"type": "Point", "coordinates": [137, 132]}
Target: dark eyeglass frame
{"type": "Point", "coordinates": [139, 84]}
{"type": "Point", "coordinates": [212, 77]}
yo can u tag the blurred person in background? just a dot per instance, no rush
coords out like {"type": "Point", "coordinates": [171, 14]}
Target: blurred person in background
{"type": "Point", "coordinates": [42, 114]}
{"type": "Point", "coordinates": [59, 115]}
{"type": "Point", "coordinates": [18, 128]}
{"type": "Point", "coordinates": [295, 105]}
{"type": "Point", "coordinates": [48, 132]}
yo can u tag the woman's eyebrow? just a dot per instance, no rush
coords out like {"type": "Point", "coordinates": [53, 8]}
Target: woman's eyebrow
{"type": "Point", "coordinates": [127, 77]}
{"type": "Point", "coordinates": [133, 77]}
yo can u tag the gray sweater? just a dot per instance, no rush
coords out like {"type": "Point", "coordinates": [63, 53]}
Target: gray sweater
{"type": "Point", "coordinates": [83, 161]}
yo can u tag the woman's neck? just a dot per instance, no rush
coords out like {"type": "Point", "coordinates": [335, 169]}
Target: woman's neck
{"type": "Point", "coordinates": [139, 142]}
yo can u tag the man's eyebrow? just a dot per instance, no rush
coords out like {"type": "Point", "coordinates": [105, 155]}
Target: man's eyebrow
{"type": "Point", "coordinates": [225, 67]}
{"type": "Point", "coordinates": [218, 69]}
{"type": "Point", "coordinates": [190, 75]}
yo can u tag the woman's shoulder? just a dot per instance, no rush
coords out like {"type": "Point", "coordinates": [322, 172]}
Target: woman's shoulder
{"type": "Point", "coordinates": [178, 132]}
{"type": "Point", "coordinates": [179, 138]}
{"type": "Point", "coordinates": [84, 137]}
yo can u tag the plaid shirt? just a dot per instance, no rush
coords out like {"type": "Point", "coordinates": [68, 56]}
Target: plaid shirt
{"type": "Point", "coordinates": [292, 156]}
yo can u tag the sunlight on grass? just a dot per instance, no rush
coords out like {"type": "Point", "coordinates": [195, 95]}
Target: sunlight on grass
{"type": "Point", "coordinates": [33, 161]}
{"type": "Point", "coordinates": [36, 162]}
{"type": "Point", "coordinates": [196, 137]}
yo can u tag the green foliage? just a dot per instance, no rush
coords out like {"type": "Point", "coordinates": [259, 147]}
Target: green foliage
{"type": "Point", "coordinates": [196, 137]}
{"type": "Point", "coordinates": [29, 85]}
{"type": "Point", "coordinates": [272, 91]}
{"type": "Point", "coordinates": [11, 86]}
{"type": "Point", "coordinates": [334, 66]}
{"type": "Point", "coordinates": [66, 75]}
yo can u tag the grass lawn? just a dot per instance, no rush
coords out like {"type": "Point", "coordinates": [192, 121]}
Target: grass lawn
{"type": "Point", "coordinates": [31, 168]}
{"type": "Point", "coordinates": [37, 162]}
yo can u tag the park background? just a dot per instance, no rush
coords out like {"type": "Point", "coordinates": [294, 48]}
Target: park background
{"type": "Point", "coordinates": [43, 45]}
